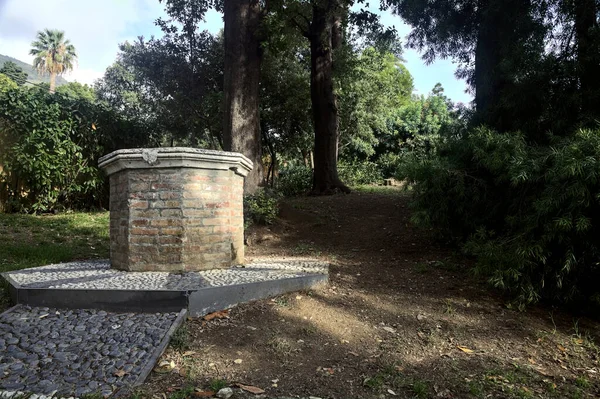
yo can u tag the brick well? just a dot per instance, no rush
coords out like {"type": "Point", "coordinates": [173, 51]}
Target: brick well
{"type": "Point", "coordinates": [176, 209]}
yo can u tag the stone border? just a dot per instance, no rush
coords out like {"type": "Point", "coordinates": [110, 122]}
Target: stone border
{"type": "Point", "coordinates": [212, 299]}
{"type": "Point", "coordinates": [109, 300]}
{"type": "Point", "coordinates": [198, 300]}
{"type": "Point", "coordinates": [158, 352]}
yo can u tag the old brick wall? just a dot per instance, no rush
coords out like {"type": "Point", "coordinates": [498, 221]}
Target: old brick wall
{"type": "Point", "coordinates": [177, 219]}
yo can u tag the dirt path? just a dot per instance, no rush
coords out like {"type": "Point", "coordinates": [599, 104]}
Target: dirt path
{"type": "Point", "coordinates": [402, 317]}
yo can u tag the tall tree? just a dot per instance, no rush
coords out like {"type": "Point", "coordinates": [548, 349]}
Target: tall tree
{"type": "Point", "coordinates": [587, 34]}
{"type": "Point", "coordinates": [495, 42]}
{"type": "Point", "coordinates": [324, 35]}
{"type": "Point", "coordinates": [53, 54]}
{"type": "Point", "coordinates": [241, 126]}
{"type": "Point", "coordinates": [14, 72]}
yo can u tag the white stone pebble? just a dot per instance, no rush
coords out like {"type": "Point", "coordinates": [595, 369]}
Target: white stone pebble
{"type": "Point", "coordinates": [99, 275]}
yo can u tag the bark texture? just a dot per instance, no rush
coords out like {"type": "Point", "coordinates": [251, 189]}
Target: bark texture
{"type": "Point", "coordinates": [588, 57]}
{"type": "Point", "coordinates": [52, 82]}
{"type": "Point", "coordinates": [241, 127]}
{"type": "Point", "coordinates": [324, 34]}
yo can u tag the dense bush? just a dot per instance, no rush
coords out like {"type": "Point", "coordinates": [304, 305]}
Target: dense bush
{"type": "Point", "coordinates": [529, 213]}
{"type": "Point", "coordinates": [356, 173]}
{"type": "Point", "coordinates": [48, 151]}
{"type": "Point", "coordinates": [294, 180]}
{"type": "Point", "coordinates": [261, 208]}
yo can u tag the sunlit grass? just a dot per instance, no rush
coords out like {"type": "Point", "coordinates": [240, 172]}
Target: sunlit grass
{"type": "Point", "coordinates": [29, 241]}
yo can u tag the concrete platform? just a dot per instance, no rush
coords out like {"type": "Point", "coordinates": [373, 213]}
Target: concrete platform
{"type": "Point", "coordinates": [94, 285]}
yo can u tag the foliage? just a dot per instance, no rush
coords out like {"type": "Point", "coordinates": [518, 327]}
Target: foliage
{"type": "Point", "coordinates": [357, 173]}
{"type": "Point", "coordinates": [261, 207]}
{"type": "Point", "coordinates": [529, 213]}
{"type": "Point", "coordinates": [14, 72]}
{"type": "Point", "coordinates": [375, 87]}
{"type": "Point", "coordinates": [174, 84]}
{"type": "Point", "coordinates": [51, 144]}
{"type": "Point", "coordinates": [45, 150]}
{"type": "Point", "coordinates": [294, 180]}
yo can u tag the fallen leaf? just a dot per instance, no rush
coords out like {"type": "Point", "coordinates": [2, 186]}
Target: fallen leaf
{"type": "Point", "coordinates": [391, 392]}
{"type": "Point", "coordinates": [238, 361]}
{"type": "Point", "coordinates": [251, 389]}
{"type": "Point", "coordinates": [44, 315]}
{"type": "Point", "coordinates": [120, 373]}
{"type": "Point", "coordinates": [466, 350]}
{"type": "Point", "coordinates": [222, 314]}
{"type": "Point", "coordinates": [164, 367]}
{"type": "Point", "coordinates": [389, 329]}
{"type": "Point", "coordinates": [188, 353]}
{"type": "Point", "coordinates": [561, 348]}
{"type": "Point", "coordinates": [353, 354]}
{"type": "Point", "coordinates": [203, 394]}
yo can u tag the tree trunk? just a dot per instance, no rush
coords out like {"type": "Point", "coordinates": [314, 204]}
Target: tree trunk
{"type": "Point", "coordinates": [324, 103]}
{"type": "Point", "coordinates": [52, 82]}
{"type": "Point", "coordinates": [241, 127]}
{"type": "Point", "coordinates": [485, 63]}
{"type": "Point", "coordinates": [588, 59]}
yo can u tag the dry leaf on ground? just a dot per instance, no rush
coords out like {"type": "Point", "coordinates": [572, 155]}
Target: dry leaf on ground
{"type": "Point", "coordinates": [164, 367]}
{"type": "Point", "coordinates": [222, 314]}
{"type": "Point", "coordinates": [466, 350]}
{"type": "Point", "coordinates": [120, 373]}
{"type": "Point", "coordinates": [251, 389]}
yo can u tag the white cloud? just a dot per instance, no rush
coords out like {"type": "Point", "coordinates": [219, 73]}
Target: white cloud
{"type": "Point", "coordinates": [94, 27]}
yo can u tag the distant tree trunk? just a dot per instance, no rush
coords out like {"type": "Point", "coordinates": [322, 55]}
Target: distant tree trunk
{"type": "Point", "coordinates": [588, 59]}
{"type": "Point", "coordinates": [324, 34]}
{"type": "Point", "coordinates": [241, 128]}
{"type": "Point", "coordinates": [52, 82]}
{"type": "Point", "coordinates": [485, 63]}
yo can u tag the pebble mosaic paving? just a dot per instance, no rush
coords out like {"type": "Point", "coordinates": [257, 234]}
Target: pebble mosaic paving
{"type": "Point", "coordinates": [99, 275]}
{"type": "Point", "coordinates": [70, 353]}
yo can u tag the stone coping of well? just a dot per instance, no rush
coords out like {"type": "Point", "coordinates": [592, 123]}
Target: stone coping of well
{"type": "Point", "coordinates": [174, 157]}
{"type": "Point", "coordinates": [98, 275]}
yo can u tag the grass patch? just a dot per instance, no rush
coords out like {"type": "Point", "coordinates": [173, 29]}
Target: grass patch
{"type": "Point", "coordinates": [385, 190]}
{"type": "Point", "coordinates": [216, 384]}
{"type": "Point", "coordinates": [180, 340]}
{"type": "Point", "coordinates": [29, 240]}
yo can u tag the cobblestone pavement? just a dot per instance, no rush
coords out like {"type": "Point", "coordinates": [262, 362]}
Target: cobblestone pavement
{"type": "Point", "coordinates": [76, 352]}
{"type": "Point", "coordinates": [99, 275]}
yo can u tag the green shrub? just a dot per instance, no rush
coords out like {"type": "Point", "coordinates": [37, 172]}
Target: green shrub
{"type": "Point", "coordinates": [46, 150]}
{"type": "Point", "coordinates": [356, 173]}
{"type": "Point", "coordinates": [529, 213]}
{"type": "Point", "coordinates": [261, 208]}
{"type": "Point", "coordinates": [294, 180]}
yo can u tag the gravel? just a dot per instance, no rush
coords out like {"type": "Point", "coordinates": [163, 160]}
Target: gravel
{"type": "Point", "coordinates": [76, 352]}
{"type": "Point", "coordinates": [99, 275]}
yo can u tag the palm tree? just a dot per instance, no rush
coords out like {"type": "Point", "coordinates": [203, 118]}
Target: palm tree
{"type": "Point", "coordinates": [53, 54]}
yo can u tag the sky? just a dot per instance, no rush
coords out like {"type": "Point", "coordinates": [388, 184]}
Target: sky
{"type": "Point", "coordinates": [96, 28]}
